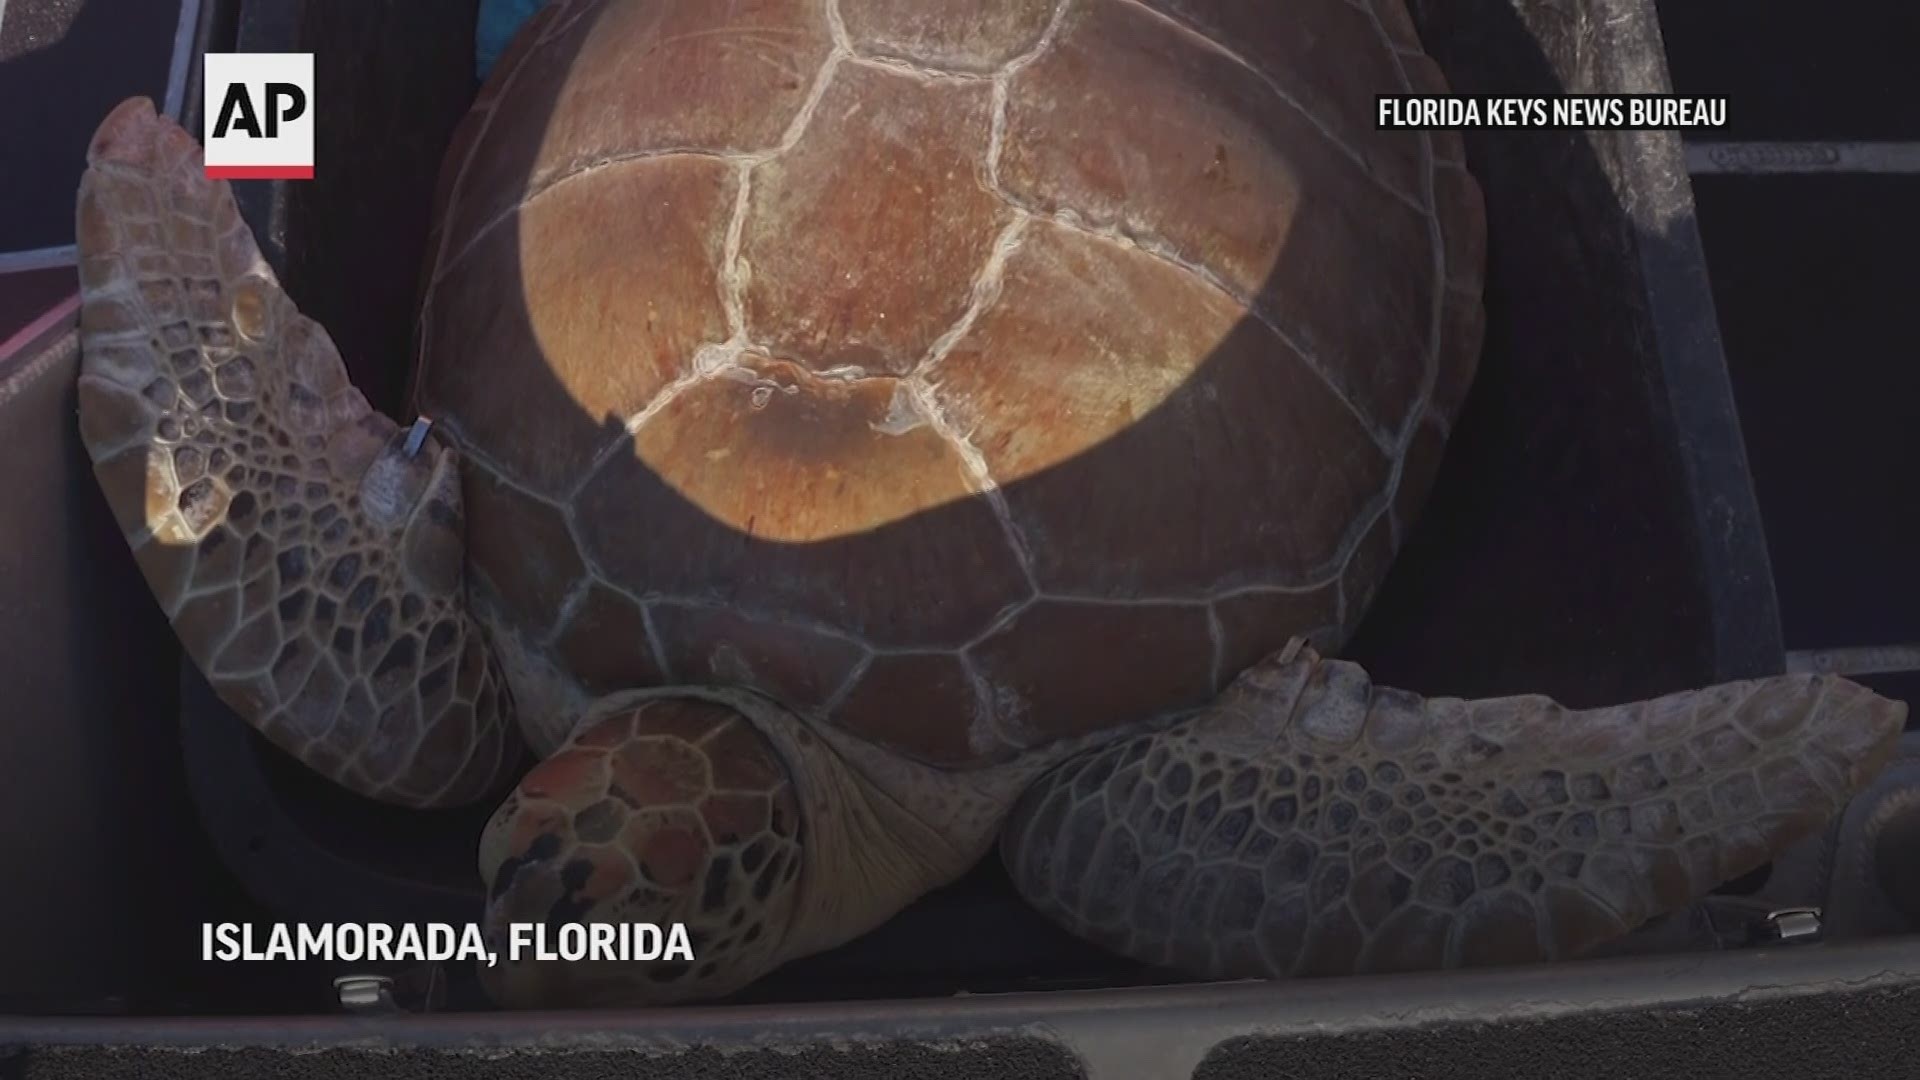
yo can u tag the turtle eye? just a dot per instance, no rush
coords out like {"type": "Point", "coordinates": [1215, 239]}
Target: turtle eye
{"type": "Point", "coordinates": [654, 858]}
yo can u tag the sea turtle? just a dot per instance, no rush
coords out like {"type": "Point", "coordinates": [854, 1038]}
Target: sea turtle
{"type": "Point", "coordinates": [864, 429]}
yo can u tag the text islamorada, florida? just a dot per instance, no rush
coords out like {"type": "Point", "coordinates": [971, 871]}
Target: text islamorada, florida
{"type": "Point", "coordinates": [445, 942]}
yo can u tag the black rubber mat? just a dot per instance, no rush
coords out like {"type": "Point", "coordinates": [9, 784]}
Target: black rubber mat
{"type": "Point", "coordinates": [1814, 278]}
{"type": "Point", "coordinates": [1762, 1014]}
{"type": "Point", "coordinates": [1861, 1036]}
{"type": "Point", "coordinates": [1026, 1059]}
{"type": "Point", "coordinates": [63, 65]}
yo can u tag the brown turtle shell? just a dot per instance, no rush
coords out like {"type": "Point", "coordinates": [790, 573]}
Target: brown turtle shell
{"type": "Point", "coordinates": [969, 373]}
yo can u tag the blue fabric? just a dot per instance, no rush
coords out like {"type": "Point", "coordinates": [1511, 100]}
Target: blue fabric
{"type": "Point", "coordinates": [499, 21]}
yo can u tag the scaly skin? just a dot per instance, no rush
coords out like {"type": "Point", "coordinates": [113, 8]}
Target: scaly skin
{"type": "Point", "coordinates": [311, 568]}
{"type": "Point", "coordinates": [1311, 823]}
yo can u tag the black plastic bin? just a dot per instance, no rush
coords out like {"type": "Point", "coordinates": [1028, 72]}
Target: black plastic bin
{"type": "Point", "coordinates": [1593, 535]}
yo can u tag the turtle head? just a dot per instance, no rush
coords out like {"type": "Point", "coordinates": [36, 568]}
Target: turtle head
{"type": "Point", "coordinates": [760, 837]}
{"type": "Point", "coordinates": [666, 811]}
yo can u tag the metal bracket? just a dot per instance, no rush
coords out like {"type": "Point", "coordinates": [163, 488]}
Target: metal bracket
{"type": "Point", "coordinates": [366, 994]}
{"type": "Point", "coordinates": [1798, 925]}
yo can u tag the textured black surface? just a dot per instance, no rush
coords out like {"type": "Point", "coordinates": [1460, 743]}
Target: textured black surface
{"type": "Point", "coordinates": [1025, 1059]}
{"type": "Point", "coordinates": [1818, 275]}
{"type": "Point", "coordinates": [1859, 1036]}
{"type": "Point", "coordinates": [1800, 69]}
{"type": "Point", "coordinates": [63, 65]}
{"type": "Point", "coordinates": [1842, 1011]}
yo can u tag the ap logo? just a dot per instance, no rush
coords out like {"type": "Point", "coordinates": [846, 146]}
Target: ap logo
{"type": "Point", "coordinates": [259, 116]}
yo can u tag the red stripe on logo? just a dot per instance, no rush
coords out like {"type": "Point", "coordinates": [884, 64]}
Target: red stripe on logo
{"type": "Point", "coordinates": [259, 172]}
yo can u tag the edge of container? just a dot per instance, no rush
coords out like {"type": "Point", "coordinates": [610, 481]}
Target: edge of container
{"type": "Point", "coordinates": [1117, 1033]}
{"type": "Point", "coordinates": [1682, 323]}
{"type": "Point", "coordinates": [1685, 327]}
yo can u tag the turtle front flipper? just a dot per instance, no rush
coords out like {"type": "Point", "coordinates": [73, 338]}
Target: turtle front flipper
{"type": "Point", "coordinates": [309, 554]}
{"type": "Point", "coordinates": [1310, 823]}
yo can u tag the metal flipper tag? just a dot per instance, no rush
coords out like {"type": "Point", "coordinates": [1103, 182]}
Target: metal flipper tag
{"type": "Point", "coordinates": [417, 437]}
{"type": "Point", "coordinates": [1795, 925]}
{"type": "Point", "coordinates": [366, 994]}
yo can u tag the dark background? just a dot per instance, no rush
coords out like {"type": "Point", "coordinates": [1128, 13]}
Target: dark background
{"type": "Point", "coordinates": [63, 64]}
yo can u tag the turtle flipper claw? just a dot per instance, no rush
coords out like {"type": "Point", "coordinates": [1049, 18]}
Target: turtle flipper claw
{"type": "Point", "coordinates": [311, 567]}
{"type": "Point", "coordinates": [1310, 823]}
